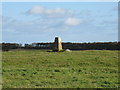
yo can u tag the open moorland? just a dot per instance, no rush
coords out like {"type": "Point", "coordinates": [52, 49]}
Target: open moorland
{"type": "Point", "coordinates": [75, 69]}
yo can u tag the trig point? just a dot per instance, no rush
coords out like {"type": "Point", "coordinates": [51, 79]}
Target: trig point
{"type": "Point", "coordinates": [57, 44]}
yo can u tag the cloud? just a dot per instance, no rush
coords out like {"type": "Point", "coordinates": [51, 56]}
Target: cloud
{"type": "Point", "coordinates": [38, 29]}
{"type": "Point", "coordinates": [57, 12]}
{"type": "Point", "coordinates": [60, 11]}
{"type": "Point", "coordinates": [37, 26]}
{"type": "Point", "coordinates": [72, 21]}
{"type": "Point", "coordinates": [48, 11]}
{"type": "Point", "coordinates": [36, 10]}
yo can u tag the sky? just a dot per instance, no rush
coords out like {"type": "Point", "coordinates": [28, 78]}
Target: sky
{"type": "Point", "coordinates": [28, 22]}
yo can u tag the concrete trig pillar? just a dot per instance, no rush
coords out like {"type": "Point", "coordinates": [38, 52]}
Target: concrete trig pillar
{"type": "Point", "coordinates": [57, 44]}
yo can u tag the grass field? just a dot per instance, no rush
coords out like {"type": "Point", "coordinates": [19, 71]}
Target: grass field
{"type": "Point", "coordinates": [76, 69]}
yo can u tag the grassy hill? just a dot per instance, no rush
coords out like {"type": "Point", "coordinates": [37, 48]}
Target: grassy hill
{"type": "Point", "coordinates": [76, 69]}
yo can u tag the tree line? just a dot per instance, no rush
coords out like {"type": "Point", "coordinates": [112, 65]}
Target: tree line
{"type": "Point", "coordinates": [66, 45]}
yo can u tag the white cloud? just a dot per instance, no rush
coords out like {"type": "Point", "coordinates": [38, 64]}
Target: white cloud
{"type": "Point", "coordinates": [72, 21]}
{"type": "Point", "coordinates": [48, 11]}
{"type": "Point", "coordinates": [57, 12]}
{"type": "Point", "coordinates": [60, 11]}
{"type": "Point", "coordinates": [36, 10]}
{"type": "Point", "coordinates": [37, 26]}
